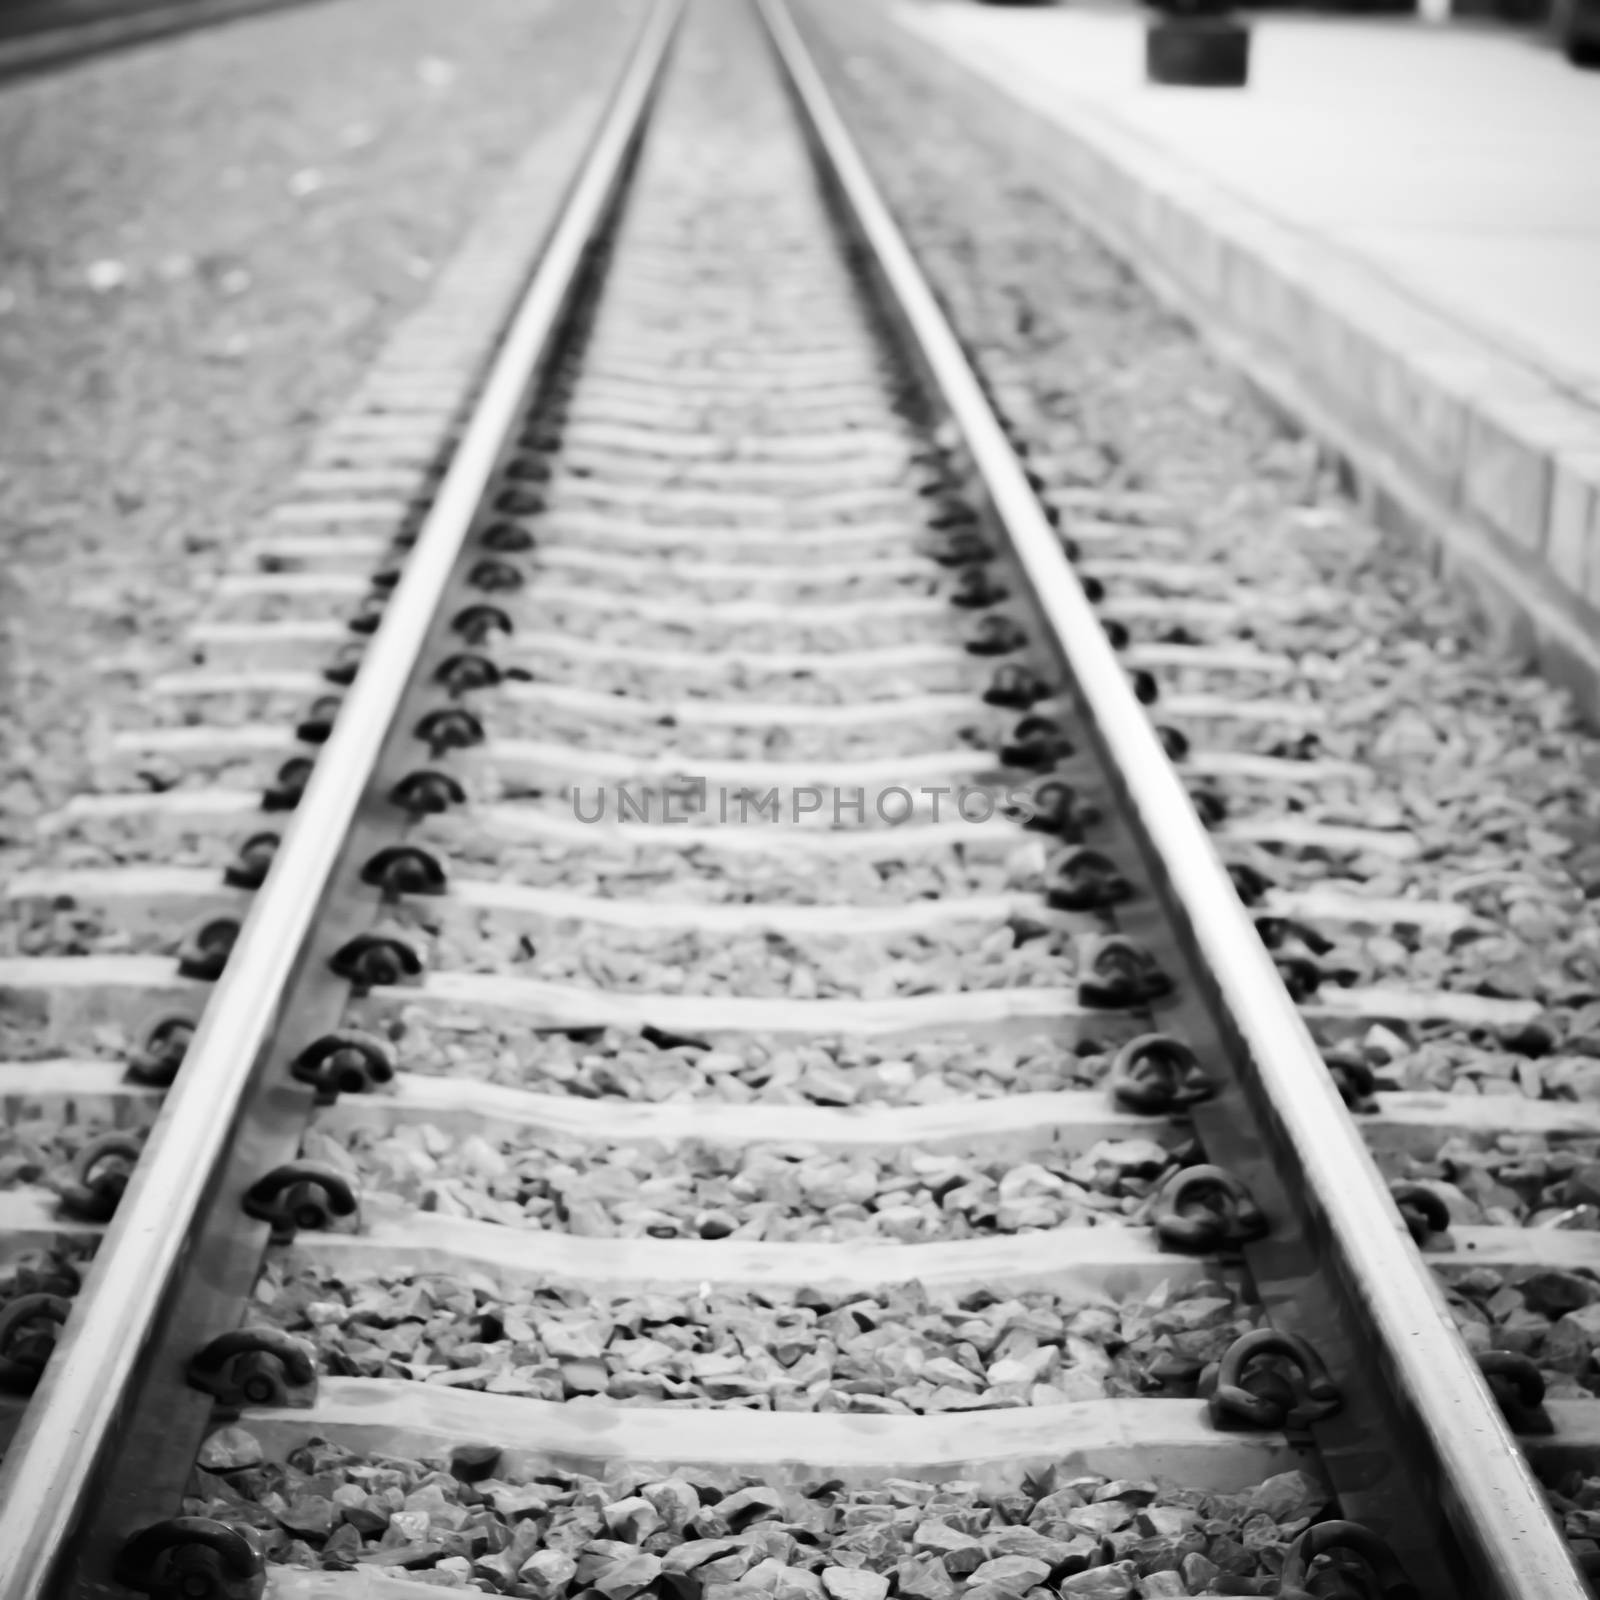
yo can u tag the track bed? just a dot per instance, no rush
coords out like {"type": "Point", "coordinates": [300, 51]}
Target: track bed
{"type": "Point", "coordinates": [748, 1070]}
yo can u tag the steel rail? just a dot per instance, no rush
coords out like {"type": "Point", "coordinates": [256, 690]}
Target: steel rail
{"type": "Point", "coordinates": [1509, 1545]}
{"type": "Point", "coordinates": [73, 1422]}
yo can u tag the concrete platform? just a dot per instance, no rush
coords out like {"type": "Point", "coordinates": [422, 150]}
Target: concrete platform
{"type": "Point", "coordinates": [1396, 228]}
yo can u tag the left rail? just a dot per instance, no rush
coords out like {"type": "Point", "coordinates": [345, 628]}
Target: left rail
{"type": "Point", "coordinates": [79, 1415]}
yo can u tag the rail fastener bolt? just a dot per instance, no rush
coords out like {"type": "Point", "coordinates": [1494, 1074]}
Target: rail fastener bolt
{"type": "Point", "coordinates": [206, 948]}
{"type": "Point", "coordinates": [249, 868]}
{"type": "Point", "coordinates": [1373, 1557]}
{"type": "Point", "coordinates": [254, 1367]}
{"type": "Point", "coordinates": [1088, 880]}
{"type": "Point", "coordinates": [155, 1063]}
{"type": "Point", "coordinates": [100, 1173]}
{"type": "Point", "coordinates": [1244, 1391]}
{"type": "Point", "coordinates": [402, 869]}
{"type": "Point", "coordinates": [346, 1061]}
{"type": "Point", "coordinates": [424, 794]}
{"type": "Point", "coordinates": [376, 961]}
{"type": "Point", "coordinates": [1207, 1208]}
{"type": "Point", "coordinates": [1157, 1073]}
{"type": "Point", "coordinates": [194, 1558]}
{"type": "Point", "coordinates": [300, 1194]}
{"type": "Point", "coordinates": [25, 1345]}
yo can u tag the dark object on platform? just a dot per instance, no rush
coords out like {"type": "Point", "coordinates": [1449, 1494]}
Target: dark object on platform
{"type": "Point", "coordinates": [1577, 25]}
{"type": "Point", "coordinates": [1201, 52]}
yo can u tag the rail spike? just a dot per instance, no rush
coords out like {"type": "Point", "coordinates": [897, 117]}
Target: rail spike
{"type": "Point", "coordinates": [23, 1357]}
{"type": "Point", "coordinates": [1057, 808]}
{"type": "Point", "coordinates": [519, 502]}
{"type": "Point", "coordinates": [449, 728]}
{"type": "Point", "coordinates": [1156, 1073]}
{"type": "Point", "coordinates": [478, 622]}
{"type": "Point", "coordinates": [425, 793]}
{"type": "Point", "coordinates": [300, 1194]}
{"type": "Point", "coordinates": [100, 1174]}
{"type": "Point", "coordinates": [254, 1367]}
{"type": "Point", "coordinates": [1352, 1076]}
{"type": "Point", "coordinates": [368, 616]}
{"type": "Point", "coordinates": [493, 575]}
{"type": "Point", "coordinates": [996, 636]}
{"type": "Point", "coordinates": [402, 869]}
{"type": "Point", "coordinates": [347, 1061]}
{"type": "Point", "coordinates": [1425, 1215]}
{"type": "Point", "coordinates": [1016, 688]}
{"type": "Point", "coordinates": [1250, 883]}
{"type": "Point", "coordinates": [376, 961]}
{"type": "Point", "coordinates": [1518, 1388]}
{"type": "Point", "coordinates": [285, 793]}
{"type": "Point", "coordinates": [206, 948]}
{"type": "Point", "coordinates": [462, 673]}
{"type": "Point", "coordinates": [156, 1062]}
{"type": "Point", "coordinates": [1376, 1573]}
{"type": "Point", "coordinates": [1120, 975]}
{"type": "Point", "coordinates": [952, 516]}
{"type": "Point", "coordinates": [346, 664]}
{"type": "Point", "coordinates": [194, 1558]}
{"type": "Point", "coordinates": [316, 727]}
{"type": "Point", "coordinates": [963, 547]}
{"type": "Point", "coordinates": [507, 538]}
{"type": "Point", "coordinates": [1087, 880]}
{"type": "Point", "coordinates": [1243, 1392]}
{"type": "Point", "coordinates": [975, 590]}
{"type": "Point", "coordinates": [1207, 1208]}
{"type": "Point", "coordinates": [1038, 744]}
{"type": "Point", "coordinates": [532, 468]}
{"type": "Point", "coordinates": [1212, 810]}
{"type": "Point", "coordinates": [249, 868]}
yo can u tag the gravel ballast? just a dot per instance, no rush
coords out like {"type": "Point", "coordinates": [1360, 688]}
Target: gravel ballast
{"type": "Point", "coordinates": [784, 631]}
{"type": "Point", "coordinates": [1513, 1180]}
{"type": "Point", "coordinates": [708, 875]}
{"type": "Point", "coordinates": [661, 579]}
{"type": "Point", "coordinates": [180, 309]}
{"type": "Point", "coordinates": [523, 1528]}
{"type": "Point", "coordinates": [666, 736]}
{"type": "Point", "coordinates": [745, 678]}
{"type": "Point", "coordinates": [1549, 1316]}
{"type": "Point", "coordinates": [895, 1352]}
{"type": "Point", "coordinates": [615, 1063]}
{"type": "Point", "coordinates": [773, 1192]}
{"type": "Point", "coordinates": [966, 958]}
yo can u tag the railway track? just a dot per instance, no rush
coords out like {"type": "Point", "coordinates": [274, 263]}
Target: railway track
{"type": "Point", "coordinates": [723, 1054]}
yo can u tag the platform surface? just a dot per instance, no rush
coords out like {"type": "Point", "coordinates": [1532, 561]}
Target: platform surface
{"type": "Point", "coordinates": [1395, 229]}
{"type": "Point", "coordinates": [1460, 162]}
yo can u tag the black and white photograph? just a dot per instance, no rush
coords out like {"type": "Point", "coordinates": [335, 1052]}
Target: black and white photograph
{"type": "Point", "coordinates": [799, 799]}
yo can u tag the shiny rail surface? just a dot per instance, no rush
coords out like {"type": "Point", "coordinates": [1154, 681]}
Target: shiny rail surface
{"type": "Point", "coordinates": [1419, 1449]}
